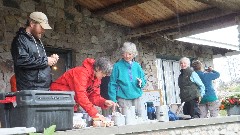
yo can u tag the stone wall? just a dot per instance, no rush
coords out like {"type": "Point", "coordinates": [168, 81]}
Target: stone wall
{"type": "Point", "coordinates": [75, 28]}
{"type": "Point", "coordinates": [216, 129]}
{"type": "Point", "coordinates": [225, 125]}
{"type": "Point", "coordinates": [238, 23]}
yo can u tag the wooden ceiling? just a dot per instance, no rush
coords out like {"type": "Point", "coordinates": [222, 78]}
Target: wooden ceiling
{"type": "Point", "coordinates": [171, 18]}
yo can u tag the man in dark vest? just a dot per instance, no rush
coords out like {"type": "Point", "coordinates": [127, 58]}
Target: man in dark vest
{"type": "Point", "coordinates": [191, 89]}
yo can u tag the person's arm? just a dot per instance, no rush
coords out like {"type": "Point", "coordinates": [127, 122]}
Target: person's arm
{"type": "Point", "coordinates": [24, 60]}
{"type": "Point", "coordinates": [142, 77]}
{"type": "Point", "coordinates": [95, 96]}
{"type": "Point", "coordinates": [112, 86]}
{"type": "Point", "coordinates": [196, 79]}
{"type": "Point", "coordinates": [79, 85]}
{"type": "Point", "coordinates": [213, 74]}
{"type": "Point", "coordinates": [13, 83]}
{"type": "Point", "coordinates": [97, 100]}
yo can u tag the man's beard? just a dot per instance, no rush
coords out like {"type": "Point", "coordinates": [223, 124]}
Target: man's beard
{"type": "Point", "coordinates": [37, 36]}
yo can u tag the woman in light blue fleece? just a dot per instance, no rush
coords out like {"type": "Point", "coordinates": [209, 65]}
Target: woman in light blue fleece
{"type": "Point", "coordinates": [210, 100]}
{"type": "Point", "coordinates": [127, 79]}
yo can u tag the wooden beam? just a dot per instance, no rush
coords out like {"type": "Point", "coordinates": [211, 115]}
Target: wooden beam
{"type": "Point", "coordinates": [233, 5]}
{"type": "Point", "coordinates": [195, 28]}
{"type": "Point", "coordinates": [170, 6]}
{"type": "Point", "coordinates": [178, 22]}
{"type": "Point", "coordinates": [213, 24]}
{"type": "Point", "coordinates": [118, 6]}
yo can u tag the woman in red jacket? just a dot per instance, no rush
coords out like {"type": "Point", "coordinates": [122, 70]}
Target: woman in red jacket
{"type": "Point", "coordinates": [85, 81]}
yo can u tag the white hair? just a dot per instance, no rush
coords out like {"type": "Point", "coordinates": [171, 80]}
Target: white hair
{"type": "Point", "coordinates": [185, 59]}
{"type": "Point", "coordinates": [130, 47]}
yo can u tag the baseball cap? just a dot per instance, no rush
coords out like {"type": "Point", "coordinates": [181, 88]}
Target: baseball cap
{"type": "Point", "coordinates": [41, 18]}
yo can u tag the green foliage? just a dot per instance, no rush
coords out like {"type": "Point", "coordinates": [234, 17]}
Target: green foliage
{"type": "Point", "coordinates": [233, 86]}
{"type": "Point", "coordinates": [237, 88]}
{"type": "Point", "coordinates": [47, 131]}
{"type": "Point", "coordinates": [50, 130]}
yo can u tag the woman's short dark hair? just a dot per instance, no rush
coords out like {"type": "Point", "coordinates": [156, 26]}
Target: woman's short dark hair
{"type": "Point", "coordinates": [197, 65]}
{"type": "Point", "coordinates": [103, 64]}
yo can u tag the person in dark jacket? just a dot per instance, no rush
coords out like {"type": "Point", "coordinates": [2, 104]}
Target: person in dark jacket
{"type": "Point", "coordinates": [104, 87]}
{"type": "Point", "coordinates": [191, 89]}
{"type": "Point", "coordinates": [104, 93]}
{"type": "Point", "coordinates": [31, 64]}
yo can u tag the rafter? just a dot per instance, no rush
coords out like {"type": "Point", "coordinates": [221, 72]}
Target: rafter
{"type": "Point", "coordinates": [233, 5]}
{"type": "Point", "coordinates": [203, 26]}
{"type": "Point", "coordinates": [171, 7]}
{"type": "Point", "coordinates": [118, 6]}
{"type": "Point", "coordinates": [178, 22]}
{"type": "Point", "coordinates": [191, 29]}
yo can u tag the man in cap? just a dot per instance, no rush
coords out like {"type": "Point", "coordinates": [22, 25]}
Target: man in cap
{"type": "Point", "coordinates": [31, 64]}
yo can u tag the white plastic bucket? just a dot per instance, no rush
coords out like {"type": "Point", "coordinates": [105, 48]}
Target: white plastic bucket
{"type": "Point", "coordinates": [162, 113]}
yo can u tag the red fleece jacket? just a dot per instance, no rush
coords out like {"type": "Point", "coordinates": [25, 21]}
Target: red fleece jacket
{"type": "Point", "coordinates": [86, 86]}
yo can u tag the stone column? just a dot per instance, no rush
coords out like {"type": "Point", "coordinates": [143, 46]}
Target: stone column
{"type": "Point", "coordinates": [238, 23]}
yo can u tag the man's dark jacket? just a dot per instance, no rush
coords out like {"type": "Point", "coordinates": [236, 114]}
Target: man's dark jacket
{"type": "Point", "coordinates": [30, 62]}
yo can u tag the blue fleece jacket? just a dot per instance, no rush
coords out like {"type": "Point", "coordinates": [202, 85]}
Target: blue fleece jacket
{"type": "Point", "coordinates": [123, 81]}
{"type": "Point", "coordinates": [207, 78]}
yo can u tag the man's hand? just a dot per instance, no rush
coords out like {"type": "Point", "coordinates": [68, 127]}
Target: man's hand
{"type": "Point", "coordinates": [112, 104]}
{"type": "Point", "coordinates": [55, 56]}
{"type": "Point", "coordinates": [53, 59]}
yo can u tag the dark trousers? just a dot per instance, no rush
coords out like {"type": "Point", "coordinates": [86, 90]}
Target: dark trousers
{"type": "Point", "coordinates": [191, 108]}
